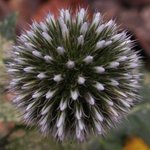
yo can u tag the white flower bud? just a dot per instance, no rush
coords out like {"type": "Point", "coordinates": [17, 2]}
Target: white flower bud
{"type": "Point", "coordinates": [97, 19]}
{"type": "Point", "coordinates": [122, 58]}
{"type": "Point", "coordinates": [84, 28]}
{"type": "Point", "coordinates": [114, 82]}
{"type": "Point", "coordinates": [61, 119]}
{"type": "Point", "coordinates": [114, 64]}
{"type": "Point", "coordinates": [88, 59]}
{"type": "Point", "coordinates": [57, 78]}
{"type": "Point", "coordinates": [43, 26]}
{"type": "Point", "coordinates": [74, 94]}
{"type": "Point", "coordinates": [99, 69]}
{"type": "Point", "coordinates": [41, 75]}
{"type": "Point", "coordinates": [63, 105]}
{"type": "Point", "coordinates": [50, 94]}
{"type": "Point", "coordinates": [37, 94]}
{"type": "Point", "coordinates": [37, 53]}
{"type": "Point", "coordinates": [48, 58]}
{"type": "Point", "coordinates": [90, 99]}
{"type": "Point", "coordinates": [98, 115]}
{"type": "Point", "coordinates": [70, 64]}
{"type": "Point", "coordinates": [60, 50]}
{"type": "Point", "coordinates": [99, 86]}
{"type": "Point", "coordinates": [80, 40]}
{"type": "Point", "coordinates": [47, 37]}
{"type": "Point", "coordinates": [28, 69]}
{"type": "Point", "coordinates": [100, 29]}
{"type": "Point", "coordinates": [45, 110]}
{"type": "Point", "coordinates": [100, 44]}
{"type": "Point", "coordinates": [81, 80]}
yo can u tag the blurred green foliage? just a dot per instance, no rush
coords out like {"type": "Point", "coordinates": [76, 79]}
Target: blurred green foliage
{"type": "Point", "coordinates": [8, 26]}
{"type": "Point", "coordinates": [7, 37]}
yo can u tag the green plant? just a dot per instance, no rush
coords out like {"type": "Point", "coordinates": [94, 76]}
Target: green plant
{"type": "Point", "coordinates": [74, 77]}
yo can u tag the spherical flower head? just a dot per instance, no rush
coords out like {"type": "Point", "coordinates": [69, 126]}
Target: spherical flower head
{"type": "Point", "coordinates": [74, 76]}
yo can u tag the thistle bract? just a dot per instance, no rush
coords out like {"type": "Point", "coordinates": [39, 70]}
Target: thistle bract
{"type": "Point", "coordinates": [74, 76]}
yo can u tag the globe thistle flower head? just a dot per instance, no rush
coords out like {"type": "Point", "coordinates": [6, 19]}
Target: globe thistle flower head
{"type": "Point", "coordinates": [73, 76]}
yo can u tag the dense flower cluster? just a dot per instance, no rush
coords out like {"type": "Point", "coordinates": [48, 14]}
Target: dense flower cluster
{"type": "Point", "coordinates": [74, 77]}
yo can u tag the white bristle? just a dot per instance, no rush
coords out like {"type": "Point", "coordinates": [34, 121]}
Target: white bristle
{"type": "Point", "coordinates": [61, 119]}
{"type": "Point", "coordinates": [133, 65]}
{"type": "Point", "coordinates": [60, 50]}
{"type": "Point", "coordinates": [70, 64]}
{"type": "Point", "coordinates": [50, 19]}
{"type": "Point", "coordinates": [37, 53]}
{"type": "Point", "coordinates": [31, 34]}
{"type": "Point", "coordinates": [37, 94]}
{"type": "Point", "coordinates": [122, 58]}
{"type": "Point", "coordinates": [30, 106]}
{"type": "Point", "coordinates": [57, 78]}
{"type": "Point", "coordinates": [48, 58]}
{"type": "Point", "coordinates": [98, 126]}
{"type": "Point", "coordinates": [43, 26]}
{"type": "Point", "coordinates": [126, 104]}
{"type": "Point", "coordinates": [81, 15]}
{"type": "Point", "coordinates": [74, 94]}
{"type": "Point", "coordinates": [99, 69]}
{"type": "Point", "coordinates": [78, 114]}
{"type": "Point", "coordinates": [80, 40]}
{"type": "Point", "coordinates": [129, 100]}
{"type": "Point", "coordinates": [84, 28]}
{"type": "Point", "coordinates": [19, 98]}
{"type": "Point", "coordinates": [62, 13]}
{"type": "Point", "coordinates": [121, 93]}
{"type": "Point", "coordinates": [28, 69]}
{"type": "Point", "coordinates": [114, 64]}
{"type": "Point", "coordinates": [98, 115]}
{"type": "Point", "coordinates": [30, 46]}
{"type": "Point", "coordinates": [67, 16]}
{"type": "Point", "coordinates": [41, 75]}
{"type": "Point", "coordinates": [88, 59]}
{"type": "Point", "coordinates": [119, 36]}
{"type": "Point", "coordinates": [63, 105]}
{"type": "Point", "coordinates": [35, 26]}
{"type": "Point", "coordinates": [97, 19]}
{"type": "Point", "coordinates": [19, 61]}
{"type": "Point", "coordinates": [64, 29]}
{"type": "Point", "coordinates": [79, 134]}
{"type": "Point", "coordinates": [81, 80]}
{"type": "Point", "coordinates": [114, 82]}
{"type": "Point", "coordinates": [110, 24]}
{"type": "Point", "coordinates": [24, 38]}
{"type": "Point", "coordinates": [81, 124]}
{"type": "Point", "coordinates": [100, 29]}
{"type": "Point", "coordinates": [90, 99]}
{"type": "Point", "coordinates": [45, 110]}
{"type": "Point", "coordinates": [44, 120]}
{"type": "Point", "coordinates": [100, 44]}
{"type": "Point", "coordinates": [114, 112]}
{"type": "Point", "coordinates": [12, 70]}
{"type": "Point", "coordinates": [60, 131]}
{"type": "Point", "coordinates": [110, 102]}
{"type": "Point", "coordinates": [50, 94]}
{"type": "Point", "coordinates": [107, 43]}
{"type": "Point", "coordinates": [99, 86]}
{"type": "Point", "coordinates": [47, 37]}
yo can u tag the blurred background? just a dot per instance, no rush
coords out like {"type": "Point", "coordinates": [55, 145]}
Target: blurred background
{"type": "Point", "coordinates": [133, 15]}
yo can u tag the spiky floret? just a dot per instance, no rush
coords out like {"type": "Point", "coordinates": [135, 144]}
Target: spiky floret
{"type": "Point", "coordinates": [74, 77]}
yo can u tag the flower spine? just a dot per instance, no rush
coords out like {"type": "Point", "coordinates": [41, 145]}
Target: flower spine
{"type": "Point", "coordinates": [74, 77]}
